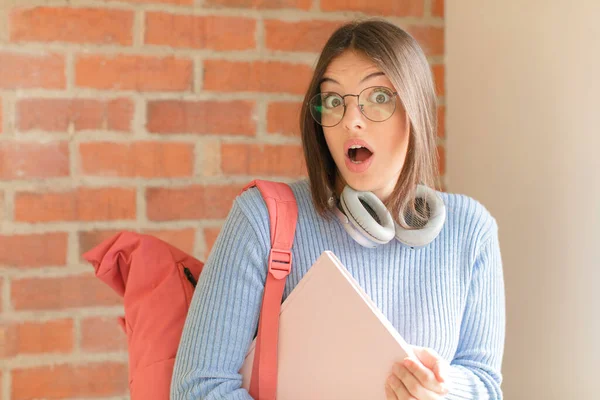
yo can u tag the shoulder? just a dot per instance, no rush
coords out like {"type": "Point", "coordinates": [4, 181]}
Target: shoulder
{"type": "Point", "coordinates": [252, 204]}
{"type": "Point", "coordinates": [469, 219]}
{"type": "Point", "coordinates": [252, 201]}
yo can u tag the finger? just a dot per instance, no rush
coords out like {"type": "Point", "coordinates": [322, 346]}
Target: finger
{"type": "Point", "coordinates": [389, 393]}
{"type": "Point", "coordinates": [432, 360]}
{"type": "Point", "coordinates": [412, 384]}
{"type": "Point", "coordinates": [425, 376]}
{"type": "Point", "coordinates": [398, 389]}
{"type": "Point", "coordinates": [426, 355]}
{"type": "Point", "coordinates": [439, 370]}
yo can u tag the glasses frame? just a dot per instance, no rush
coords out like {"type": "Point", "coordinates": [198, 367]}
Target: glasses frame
{"type": "Point", "coordinates": [360, 106]}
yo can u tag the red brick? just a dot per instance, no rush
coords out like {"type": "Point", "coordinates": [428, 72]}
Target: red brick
{"type": "Point", "coordinates": [90, 239]}
{"type": "Point", "coordinates": [298, 36]}
{"type": "Point", "coordinates": [284, 117]}
{"type": "Point", "coordinates": [83, 204]}
{"type": "Point", "coordinates": [75, 25]}
{"type": "Point", "coordinates": [19, 160]}
{"type": "Point", "coordinates": [437, 8]}
{"type": "Point", "coordinates": [404, 8]}
{"type": "Point", "coordinates": [190, 202]}
{"type": "Point", "coordinates": [61, 293]}
{"type": "Point", "coordinates": [439, 78]}
{"type": "Point", "coordinates": [258, 76]}
{"type": "Point", "coordinates": [213, 117]}
{"type": "Point", "coordinates": [32, 71]}
{"type": "Point", "coordinates": [99, 334]}
{"type": "Point", "coordinates": [137, 159]}
{"type": "Point", "coordinates": [176, 2]}
{"type": "Point", "coordinates": [36, 337]}
{"type": "Point", "coordinates": [2, 206]}
{"type": "Point", "coordinates": [210, 237]}
{"type": "Point", "coordinates": [202, 32]}
{"type": "Point", "coordinates": [430, 38]}
{"type": "Point", "coordinates": [442, 160]}
{"type": "Point", "coordinates": [127, 72]}
{"type": "Point", "coordinates": [260, 4]}
{"type": "Point", "coordinates": [183, 239]}
{"type": "Point", "coordinates": [56, 115]}
{"type": "Point", "coordinates": [441, 121]}
{"type": "Point", "coordinates": [34, 250]}
{"type": "Point", "coordinates": [254, 159]}
{"type": "Point", "coordinates": [119, 115]}
{"type": "Point", "coordinates": [1, 116]}
{"type": "Point", "coordinates": [65, 381]}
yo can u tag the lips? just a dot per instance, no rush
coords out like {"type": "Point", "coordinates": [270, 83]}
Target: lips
{"type": "Point", "coordinates": [358, 155]}
{"type": "Point", "coordinates": [354, 143]}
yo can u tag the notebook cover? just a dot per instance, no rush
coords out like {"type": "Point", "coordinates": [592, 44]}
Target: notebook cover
{"type": "Point", "coordinates": [334, 343]}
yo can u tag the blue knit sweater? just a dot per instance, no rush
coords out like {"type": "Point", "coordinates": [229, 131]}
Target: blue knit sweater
{"type": "Point", "coordinates": [448, 295]}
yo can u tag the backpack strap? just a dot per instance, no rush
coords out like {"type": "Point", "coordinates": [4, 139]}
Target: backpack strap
{"type": "Point", "coordinates": [283, 215]}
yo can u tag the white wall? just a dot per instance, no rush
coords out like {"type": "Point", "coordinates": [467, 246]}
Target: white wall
{"type": "Point", "coordinates": [523, 126]}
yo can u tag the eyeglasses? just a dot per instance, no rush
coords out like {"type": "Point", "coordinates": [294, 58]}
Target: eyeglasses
{"type": "Point", "coordinates": [376, 103]}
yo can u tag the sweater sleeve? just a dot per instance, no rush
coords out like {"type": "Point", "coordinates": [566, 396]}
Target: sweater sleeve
{"type": "Point", "coordinates": [223, 315]}
{"type": "Point", "coordinates": [475, 370]}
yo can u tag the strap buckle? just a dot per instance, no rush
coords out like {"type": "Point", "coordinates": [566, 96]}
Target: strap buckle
{"type": "Point", "coordinates": [280, 263]}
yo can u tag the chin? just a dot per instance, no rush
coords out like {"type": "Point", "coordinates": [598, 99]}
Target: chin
{"type": "Point", "coordinates": [363, 183]}
{"type": "Point", "coordinates": [371, 183]}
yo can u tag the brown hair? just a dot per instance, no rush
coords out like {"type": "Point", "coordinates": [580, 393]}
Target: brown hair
{"type": "Point", "coordinates": [402, 60]}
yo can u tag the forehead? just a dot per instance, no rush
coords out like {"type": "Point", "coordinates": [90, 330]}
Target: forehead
{"type": "Point", "coordinates": [350, 61]}
{"type": "Point", "coordinates": [350, 68]}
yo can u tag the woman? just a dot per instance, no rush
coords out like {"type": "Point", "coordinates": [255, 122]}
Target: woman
{"type": "Point", "coordinates": [368, 124]}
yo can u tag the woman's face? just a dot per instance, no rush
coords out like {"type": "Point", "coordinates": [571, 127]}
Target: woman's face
{"type": "Point", "coordinates": [377, 169]}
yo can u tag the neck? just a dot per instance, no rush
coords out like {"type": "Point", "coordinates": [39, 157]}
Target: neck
{"type": "Point", "coordinates": [382, 193]}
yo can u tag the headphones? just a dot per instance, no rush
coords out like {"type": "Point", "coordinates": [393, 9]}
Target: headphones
{"type": "Point", "coordinates": [369, 222]}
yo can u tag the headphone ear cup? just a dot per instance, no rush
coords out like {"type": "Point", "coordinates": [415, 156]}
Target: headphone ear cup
{"type": "Point", "coordinates": [358, 206]}
{"type": "Point", "coordinates": [437, 216]}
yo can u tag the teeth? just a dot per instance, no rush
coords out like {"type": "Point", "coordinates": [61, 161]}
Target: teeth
{"type": "Point", "coordinates": [354, 147]}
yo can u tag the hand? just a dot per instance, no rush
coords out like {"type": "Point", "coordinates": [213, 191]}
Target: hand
{"type": "Point", "coordinates": [422, 379]}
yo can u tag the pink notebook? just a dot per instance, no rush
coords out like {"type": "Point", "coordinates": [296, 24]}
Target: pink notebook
{"type": "Point", "coordinates": [334, 343]}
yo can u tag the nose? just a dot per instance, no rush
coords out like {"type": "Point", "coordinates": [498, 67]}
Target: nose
{"type": "Point", "coordinates": [353, 120]}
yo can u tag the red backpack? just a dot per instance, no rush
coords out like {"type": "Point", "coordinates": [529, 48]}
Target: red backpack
{"type": "Point", "coordinates": [157, 281]}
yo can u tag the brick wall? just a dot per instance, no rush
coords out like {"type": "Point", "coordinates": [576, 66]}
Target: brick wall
{"type": "Point", "coordinates": [143, 115]}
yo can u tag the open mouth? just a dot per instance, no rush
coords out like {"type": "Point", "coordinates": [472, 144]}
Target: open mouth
{"type": "Point", "coordinates": [359, 154]}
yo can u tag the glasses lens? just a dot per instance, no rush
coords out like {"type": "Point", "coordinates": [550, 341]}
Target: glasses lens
{"type": "Point", "coordinates": [378, 103]}
{"type": "Point", "coordinates": [327, 108]}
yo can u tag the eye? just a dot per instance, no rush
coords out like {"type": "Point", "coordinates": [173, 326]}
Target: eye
{"type": "Point", "coordinates": [380, 96]}
{"type": "Point", "coordinates": [332, 100]}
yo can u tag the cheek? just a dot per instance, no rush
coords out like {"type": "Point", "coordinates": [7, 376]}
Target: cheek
{"type": "Point", "coordinates": [397, 138]}
{"type": "Point", "coordinates": [401, 125]}
{"type": "Point", "coordinates": [332, 140]}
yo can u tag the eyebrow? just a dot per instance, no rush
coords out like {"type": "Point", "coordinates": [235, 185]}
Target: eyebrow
{"type": "Point", "coordinates": [373, 75]}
